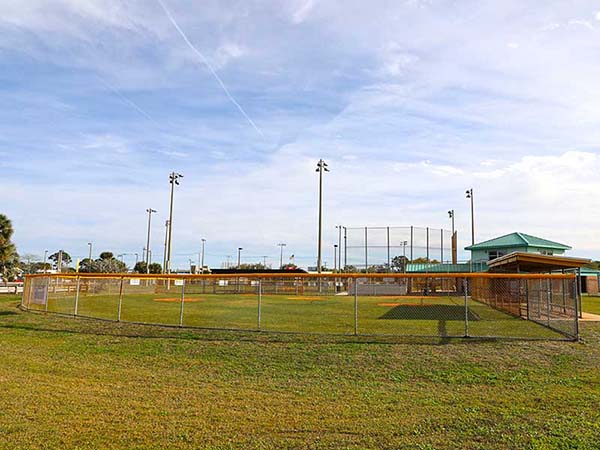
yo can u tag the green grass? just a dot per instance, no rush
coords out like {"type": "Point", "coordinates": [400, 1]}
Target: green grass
{"type": "Point", "coordinates": [408, 316]}
{"type": "Point", "coordinates": [77, 383]}
{"type": "Point", "coordinates": [591, 304]}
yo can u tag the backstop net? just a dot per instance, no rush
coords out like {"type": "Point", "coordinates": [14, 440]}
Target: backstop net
{"type": "Point", "coordinates": [374, 248]}
{"type": "Point", "coordinates": [524, 306]}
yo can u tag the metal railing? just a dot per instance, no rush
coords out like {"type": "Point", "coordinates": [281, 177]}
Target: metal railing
{"type": "Point", "coordinates": [442, 305]}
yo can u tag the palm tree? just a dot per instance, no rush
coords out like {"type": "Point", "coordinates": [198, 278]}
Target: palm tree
{"type": "Point", "coordinates": [8, 252]}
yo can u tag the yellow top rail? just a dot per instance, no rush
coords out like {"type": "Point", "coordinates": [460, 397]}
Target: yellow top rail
{"type": "Point", "coordinates": [212, 276]}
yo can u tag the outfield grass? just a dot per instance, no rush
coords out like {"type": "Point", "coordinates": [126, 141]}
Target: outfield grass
{"type": "Point", "coordinates": [77, 383]}
{"type": "Point", "coordinates": [408, 316]}
{"type": "Point", "coordinates": [590, 304]}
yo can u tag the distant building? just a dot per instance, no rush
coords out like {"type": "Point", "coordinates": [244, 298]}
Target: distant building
{"type": "Point", "coordinates": [514, 243]}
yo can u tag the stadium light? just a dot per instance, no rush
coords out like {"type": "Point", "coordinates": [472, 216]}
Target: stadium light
{"type": "Point", "coordinates": [321, 167]}
{"type": "Point", "coordinates": [281, 244]}
{"type": "Point", "coordinates": [149, 211]}
{"type": "Point", "coordinates": [90, 257]}
{"type": "Point", "coordinates": [469, 194]}
{"type": "Point", "coordinates": [239, 257]}
{"type": "Point", "coordinates": [173, 180]}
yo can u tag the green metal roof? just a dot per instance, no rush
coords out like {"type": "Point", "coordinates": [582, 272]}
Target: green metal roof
{"type": "Point", "coordinates": [586, 272]}
{"type": "Point", "coordinates": [517, 240]}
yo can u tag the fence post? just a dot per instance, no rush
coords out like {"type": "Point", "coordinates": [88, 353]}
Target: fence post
{"type": "Point", "coordinates": [466, 289]}
{"type": "Point", "coordinates": [411, 242]}
{"type": "Point", "coordinates": [579, 291]}
{"type": "Point", "coordinates": [366, 250]}
{"type": "Point", "coordinates": [48, 296]}
{"type": "Point", "coordinates": [427, 243]}
{"type": "Point", "coordinates": [527, 296]}
{"type": "Point", "coordinates": [576, 304]}
{"type": "Point", "coordinates": [120, 299]}
{"type": "Point", "coordinates": [355, 306]}
{"type": "Point", "coordinates": [77, 297]}
{"type": "Point", "coordinates": [259, 301]}
{"type": "Point", "coordinates": [389, 267]}
{"type": "Point", "coordinates": [181, 305]}
{"type": "Point", "coordinates": [442, 245]}
{"type": "Point", "coordinates": [548, 302]}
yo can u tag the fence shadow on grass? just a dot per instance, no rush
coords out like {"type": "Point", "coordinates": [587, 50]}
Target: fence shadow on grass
{"type": "Point", "coordinates": [428, 312]}
{"type": "Point", "coordinates": [67, 324]}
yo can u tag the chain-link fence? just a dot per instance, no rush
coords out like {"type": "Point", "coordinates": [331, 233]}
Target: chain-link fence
{"type": "Point", "coordinates": [443, 305]}
{"type": "Point", "coordinates": [374, 248]}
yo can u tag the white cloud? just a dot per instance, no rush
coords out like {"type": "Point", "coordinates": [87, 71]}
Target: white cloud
{"type": "Point", "coordinates": [583, 23]}
{"type": "Point", "coordinates": [302, 11]}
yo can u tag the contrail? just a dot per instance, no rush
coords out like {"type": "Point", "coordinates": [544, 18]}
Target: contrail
{"type": "Point", "coordinates": [129, 102]}
{"type": "Point", "coordinates": [207, 64]}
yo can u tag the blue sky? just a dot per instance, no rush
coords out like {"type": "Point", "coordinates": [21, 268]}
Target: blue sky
{"type": "Point", "coordinates": [409, 102]}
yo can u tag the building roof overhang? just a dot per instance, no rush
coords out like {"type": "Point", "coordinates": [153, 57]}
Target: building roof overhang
{"type": "Point", "coordinates": [534, 262]}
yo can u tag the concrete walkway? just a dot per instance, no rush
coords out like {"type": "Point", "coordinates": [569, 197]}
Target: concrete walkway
{"type": "Point", "coordinates": [589, 317]}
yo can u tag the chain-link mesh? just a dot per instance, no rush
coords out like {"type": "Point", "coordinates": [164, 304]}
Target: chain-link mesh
{"type": "Point", "coordinates": [442, 305]}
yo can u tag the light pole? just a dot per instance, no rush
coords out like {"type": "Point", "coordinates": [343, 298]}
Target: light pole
{"type": "Point", "coordinates": [149, 211]}
{"type": "Point", "coordinates": [339, 227]}
{"type": "Point", "coordinates": [137, 257]}
{"type": "Point", "coordinates": [90, 257]}
{"type": "Point", "coordinates": [345, 248]}
{"type": "Point", "coordinates": [173, 180]}
{"type": "Point", "coordinates": [335, 258]}
{"type": "Point", "coordinates": [451, 215]}
{"type": "Point", "coordinates": [281, 255]}
{"type": "Point", "coordinates": [45, 259]}
{"type": "Point", "coordinates": [264, 261]}
{"type": "Point", "coordinates": [404, 243]}
{"type": "Point", "coordinates": [164, 267]}
{"type": "Point", "coordinates": [202, 258]}
{"type": "Point", "coordinates": [321, 167]}
{"type": "Point", "coordinates": [469, 194]}
{"type": "Point", "coordinates": [239, 257]}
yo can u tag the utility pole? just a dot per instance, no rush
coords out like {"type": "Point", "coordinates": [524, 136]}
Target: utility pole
{"type": "Point", "coordinates": [202, 258]}
{"type": "Point", "coordinates": [281, 255]}
{"type": "Point", "coordinates": [239, 257]}
{"type": "Point", "coordinates": [470, 196]}
{"type": "Point", "coordinates": [173, 180]}
{"type": "Point", "coordinates": [149, 211]}
{"type": "Point", "coordinates": [321, 167]}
